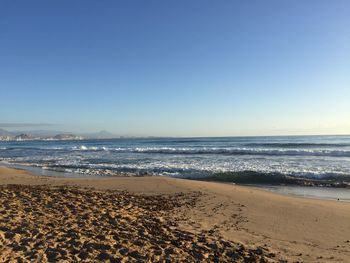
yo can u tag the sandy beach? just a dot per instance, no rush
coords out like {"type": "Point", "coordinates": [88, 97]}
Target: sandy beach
{"type": "Point", "coordinates": [123, 219]}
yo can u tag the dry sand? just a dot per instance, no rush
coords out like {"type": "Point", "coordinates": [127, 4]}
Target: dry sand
{"type": "Point", "coordinates": [164, 218]}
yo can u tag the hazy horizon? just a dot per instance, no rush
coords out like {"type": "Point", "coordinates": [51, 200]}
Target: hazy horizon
{"type": "Point", "coordinates": [77, 132]}
{"type": "Point", "coordinates": [176, 69]}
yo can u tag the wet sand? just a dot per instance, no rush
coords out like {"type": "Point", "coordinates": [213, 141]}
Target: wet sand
{"type": "Point", "coordinates": [158, 219]}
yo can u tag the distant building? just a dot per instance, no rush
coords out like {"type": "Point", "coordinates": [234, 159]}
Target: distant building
{"type": "Point", "coordinates": [66, 137]}
{"type": "Point", "coordinates": [23, 137]}
{"type": "Point", "coordinates": [5, 138]}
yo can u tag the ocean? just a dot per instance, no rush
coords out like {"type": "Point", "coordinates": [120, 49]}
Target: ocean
{"type": "Point", "coordinates": [316, 157]}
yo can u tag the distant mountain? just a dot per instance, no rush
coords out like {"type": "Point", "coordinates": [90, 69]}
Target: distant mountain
{"type": "Point", "coordinates": [4, 133]}
{"type": "Point", "coordinates": [40, 133]}
{"type": "Point", "coordinates": [36, 135]}
{"type": "Point", "coordinates": [52, 135]}
{"type": "Point", "coordinates": [47, 133]}
{"type": "Point", "coordinates": [100, 135]}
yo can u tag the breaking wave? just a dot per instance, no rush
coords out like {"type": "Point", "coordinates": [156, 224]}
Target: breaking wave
{"type": "Point", "coordinates": [207, 150]}
{"type": "Point", "coordinates": [311, 157]}
{"type": "Point", "coordinates": [298, 145]}
{"type": "Point", "coordinates": [243, 151]}
{"type": "Point", "coordinates": [224, 151]}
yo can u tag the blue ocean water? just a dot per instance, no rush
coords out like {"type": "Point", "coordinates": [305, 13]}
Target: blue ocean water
{"type": "Point", "coordinates": [300, 156]}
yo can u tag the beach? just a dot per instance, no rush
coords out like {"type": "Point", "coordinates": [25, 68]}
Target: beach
{"type": "Point", "coordinates": [120, 219]}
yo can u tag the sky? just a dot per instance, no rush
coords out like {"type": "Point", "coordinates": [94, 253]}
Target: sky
{"type": "Point", "coordinates": [176, 68]}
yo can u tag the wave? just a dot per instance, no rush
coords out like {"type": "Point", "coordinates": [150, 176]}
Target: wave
{"type": "Point", "coordinates": [298, 145]}
{"type": "Point", "coordinates": [235, 151]}
{"type": "Point", "coordinates": [239, 176]}
{"type": "Point", "coordinates": [86, 148]}
{"type": "Point", "coordinates": [201, 150]}
{"type": "Point", "coordinates": [32, 148]}
{"type": "Point", "coordinates": [73, 148]}
{"type": "Point", "coordinates": [255, 177]}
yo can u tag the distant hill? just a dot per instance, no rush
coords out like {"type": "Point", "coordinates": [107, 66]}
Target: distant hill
{"type": "Point", "coordinates": [4, 133]}
{"type": "Point", "coordinates": [40, 133]}
{"type": "Point", "coordinates": [100, 135]}
{"type": "Point", "coordinates": [52, 135]}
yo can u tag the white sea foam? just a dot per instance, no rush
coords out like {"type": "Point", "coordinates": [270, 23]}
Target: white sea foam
{"type": "Point", "coordinates": [185, 158]}
{"type": "Point", "coordinates": [224, 151]}
{"type": "Point", "coordinates": [234, 151]}
{"type": "Point", "coordinates": [89, 148]}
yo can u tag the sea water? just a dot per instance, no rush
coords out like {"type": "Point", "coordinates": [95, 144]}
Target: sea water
{"type": "Point", "coordinates": [318, 157]}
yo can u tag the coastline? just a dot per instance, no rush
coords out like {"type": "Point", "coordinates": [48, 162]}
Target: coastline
{"type": "Point", "coordinates": [312, 192]}
{"type": "Point", "coordinates": [252, 177]}
{"type": "Point", "coordinates": [298, 188]}
{"type": "Point", "coordinates": [292, 228]}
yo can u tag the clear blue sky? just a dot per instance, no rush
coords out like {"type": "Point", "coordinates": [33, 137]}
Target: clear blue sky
{"type": "Point", "coordinates": [177, 68]}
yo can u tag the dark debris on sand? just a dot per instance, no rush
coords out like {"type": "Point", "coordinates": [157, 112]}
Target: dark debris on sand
{"type": "Point", "coordinates": [47, 224]}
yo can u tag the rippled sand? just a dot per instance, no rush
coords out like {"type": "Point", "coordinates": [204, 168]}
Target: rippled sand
{"type": "Point", "coordinates": [163, 219]}
{"type": "Point", "coordinates": [41, 223]}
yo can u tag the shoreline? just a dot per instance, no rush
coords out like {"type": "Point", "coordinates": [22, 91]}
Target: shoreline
{"type": "Point", "coordinates": [313, 192]}
{"type": "Point", "coordinates": [291, 228]}
{"type": "Point", "coordinates": [241, 177]}
{"type": "Point", "coordinates": [252, 177]}
{"type": "Point", "coordinates": [296, 190]}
